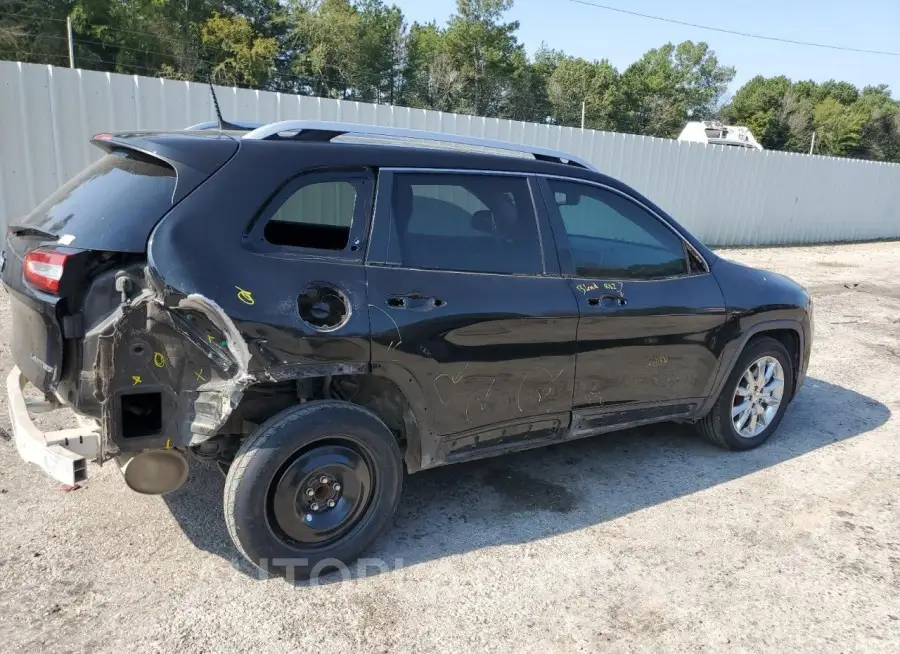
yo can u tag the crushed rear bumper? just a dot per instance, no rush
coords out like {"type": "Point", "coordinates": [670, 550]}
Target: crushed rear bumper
{"type": "Point", "coordinates": [62, 454]}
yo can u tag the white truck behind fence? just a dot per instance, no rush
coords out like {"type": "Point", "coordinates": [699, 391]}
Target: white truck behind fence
{"type": "Point", "coordinates": [726, 196]}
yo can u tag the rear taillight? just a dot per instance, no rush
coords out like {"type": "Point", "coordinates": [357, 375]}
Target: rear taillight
{"type": "Point", "coordinates": [44, 268]}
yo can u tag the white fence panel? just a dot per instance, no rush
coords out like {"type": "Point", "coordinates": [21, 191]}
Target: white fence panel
{"type": "Point", "coordinates": [726, 196]}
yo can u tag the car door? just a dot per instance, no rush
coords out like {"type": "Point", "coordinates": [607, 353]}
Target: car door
{"type": "Point", "coordinates": [650, 310]}
{"type": "Point", "coordinates": [465, 307]}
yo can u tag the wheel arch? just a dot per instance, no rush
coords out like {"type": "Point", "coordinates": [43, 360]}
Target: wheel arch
{"type": "Point", "coordinates": [790, 338]}
{"type": "Point", "coordinates": [787, 331]}
{"type": "Point", "coordinates": [399, 403]}
{"type": "Point", "coordinates": [395, 398]}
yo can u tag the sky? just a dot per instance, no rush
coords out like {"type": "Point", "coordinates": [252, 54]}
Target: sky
{"type": "Point", "coordinates": [593, 33]}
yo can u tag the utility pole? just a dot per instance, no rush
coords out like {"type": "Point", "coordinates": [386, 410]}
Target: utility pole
{"type": "Point", "coordinates": [71, 42]}
{"type": "Point", "coordinates": [582, 114]}
{"type": "Point", "coordinates": [812, 145]}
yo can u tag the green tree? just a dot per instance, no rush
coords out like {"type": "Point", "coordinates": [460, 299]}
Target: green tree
{"type": "Point", "coordinates": [322, 37]}
{"type": "Point", "coordinates": [838, 127]}
{"type": "Point", "coordinates": [34, 31]}
{"type": "Point", "coordinates": [760, 105]}
{"type": "Point", "coordinates": [535, 97]}
{"type": "Point", "coordinates": [807, 90]}
{"type": "Point", "coordinates": [526, 98]}
{"type": "Point", "coordinates": [431, 79]}
{"type": "Point", "coordinates": [484, 51]}
{"type": "Point", "coordinates": [880, 138]}
{"type": "Point", "coordinates": [348, 50]}
{"type": "Point", "coordinates": [12, 29]}
{"type": "Point", "coordinates": [797, 118]}
{"type": "Point", "coordinates": [669, 86]}
{"type": "Point", "coordinates": [381, 50]}
{"type": "Point", "coordinates": [783, 116]}
{"type": "Point", "coordinates": [244, 56]}
{"type": "Point", "coordinates": [843, 92]}
{"type": "Point", "coordinates": [651, 103]}
{"type": "Point", "coordinates": [701, 78]}
{"type": "Point", "coordinates": [140, 36]}
{"type": "Point", "coordinates": [594, 83]}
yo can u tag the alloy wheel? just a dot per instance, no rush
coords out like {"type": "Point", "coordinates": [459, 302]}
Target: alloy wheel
{"type": "Point", "coordinates": [757, 397]}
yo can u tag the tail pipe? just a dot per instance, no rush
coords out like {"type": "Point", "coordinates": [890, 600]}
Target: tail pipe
{"type": "Point", "coordinates": [154, 472]}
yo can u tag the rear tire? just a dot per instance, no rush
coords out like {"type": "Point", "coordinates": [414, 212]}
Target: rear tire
{"type": "Point", "coordinates": [747, 399]}
{"type": "Point", "coordinates": [312, 488]}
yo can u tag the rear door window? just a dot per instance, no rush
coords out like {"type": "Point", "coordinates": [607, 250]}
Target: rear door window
{"type": "Point", "coordinates": [111, 205]}
{"type": "Point", "coordinates": [465, 222]}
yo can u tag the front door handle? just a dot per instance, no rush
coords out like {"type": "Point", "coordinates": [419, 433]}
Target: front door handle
{"type": "Point", "coordinates": [607, 300]}
{"type": "Point", "coordinates": [414, 302]}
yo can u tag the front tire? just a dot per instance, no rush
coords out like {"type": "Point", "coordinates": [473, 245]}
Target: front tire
{"type": "Point", "coordinates": [753, 401]}
{"type": "Point", "coordinates": [312, 488]}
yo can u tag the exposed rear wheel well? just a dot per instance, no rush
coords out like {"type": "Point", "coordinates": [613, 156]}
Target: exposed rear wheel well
{"type": "Point", "coordinates": [385, 399]}
{"type": "Point", "coordinates": [379, 395]}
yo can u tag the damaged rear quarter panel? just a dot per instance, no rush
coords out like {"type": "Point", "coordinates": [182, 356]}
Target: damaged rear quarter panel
{"type": "Point", "coordinates": [190, 354]}
{"type": "Point", "coordinates": [219, 316]}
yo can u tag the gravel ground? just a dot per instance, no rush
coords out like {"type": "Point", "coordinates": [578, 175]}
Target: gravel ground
{"type": "Point", "coordinates": [647, 540]}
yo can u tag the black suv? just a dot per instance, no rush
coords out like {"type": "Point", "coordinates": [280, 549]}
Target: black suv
{"type": "Point", "coordinates": [321, 307]}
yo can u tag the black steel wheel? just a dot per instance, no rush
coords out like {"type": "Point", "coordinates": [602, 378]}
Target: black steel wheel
{"type": "Point", "coordinates": [313, 485]}
{"type": "Point", "coordinates": [322, 493]}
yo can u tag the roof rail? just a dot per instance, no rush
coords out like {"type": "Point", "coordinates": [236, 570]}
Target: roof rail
{"type": "Point", "coordinates": [213, 124]}
{"type": "Point", "coordinates": [315, 130]}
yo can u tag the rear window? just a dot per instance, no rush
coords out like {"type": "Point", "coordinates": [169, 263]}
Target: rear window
{"type": "Point", "coordinates": [318, 215]}
{"type": "Point", "coordinates": [465, 222]}
{"type": "Point", "coordinates": [111, 205]}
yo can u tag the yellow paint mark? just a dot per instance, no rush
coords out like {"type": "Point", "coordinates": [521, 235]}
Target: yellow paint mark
{"type": "Point", "coordinates": [613, 286]}
{"type": "Point", "coordinates": [168, 443]}
{"type": "Point", "coordinates": [199, 375]}
{"type": "Point", "coordinates": [159, 359]}
{"type": "Point", "coordinates": [135, 380]}
{"type": "Point", "coordinates": [245, 296]}
{"type": "Point", "coordinates": [210, 338]}
{"type": "Point", "coordinates": [586, 288]}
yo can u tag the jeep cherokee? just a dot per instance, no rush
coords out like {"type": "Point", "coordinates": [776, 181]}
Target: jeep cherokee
{"type": "Point", "coordinates": [321, 308]}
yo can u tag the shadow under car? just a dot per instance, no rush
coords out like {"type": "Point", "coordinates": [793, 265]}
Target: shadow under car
{"type": "Point", "coordinates": [467, 506]}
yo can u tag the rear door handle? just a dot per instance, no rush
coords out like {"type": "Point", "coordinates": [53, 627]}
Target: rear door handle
{"type": "Point", "coordinates": [414, 302]}
{"type": "Point", "coordinates": [607, 300]}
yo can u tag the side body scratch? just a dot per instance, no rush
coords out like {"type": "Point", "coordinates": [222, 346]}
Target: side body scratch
{"type": "Point", "coordinates": [396, 326]}
{"type": "Point", "coordinates": [482, 403]}
{"type": "Point", "coordinates": [541, 395]}
{"type": "Point", "coordinates": [455, 379]}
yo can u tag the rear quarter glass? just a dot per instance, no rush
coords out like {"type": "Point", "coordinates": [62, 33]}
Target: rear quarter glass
{"type": "Point", "coordinates": [111, 205]}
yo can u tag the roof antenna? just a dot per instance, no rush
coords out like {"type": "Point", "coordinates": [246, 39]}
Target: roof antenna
{"type": "Point", "coordinates": [223, 124]}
